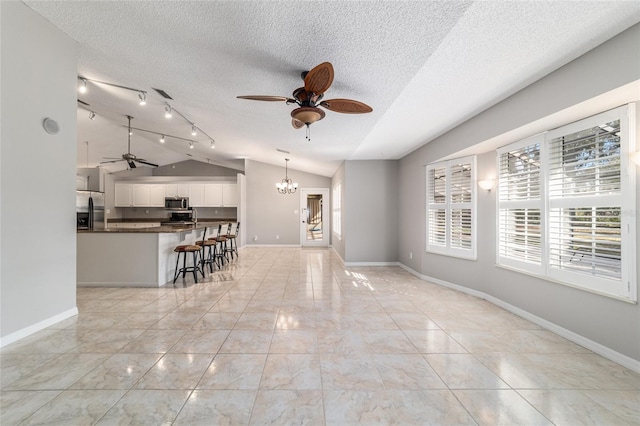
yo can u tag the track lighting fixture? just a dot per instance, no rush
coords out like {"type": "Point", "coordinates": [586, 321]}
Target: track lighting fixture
{"type": "Point", "coordinates": [92, 115]}
{"type": "Point", "coordinates": [82, 88]}
{"type": "Point", "coordinates": [194, 129]}
{"type": "Point", "coordinates": [163, 136]}
{"type": "Point", "coordinates": [167, 111]}
{"type": "Point", "coordinates": [213, 144]}
{"type": "Point", "coordinates": [142, 95]}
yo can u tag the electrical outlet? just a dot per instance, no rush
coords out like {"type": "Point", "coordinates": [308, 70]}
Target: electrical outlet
{"type": "Point", "coordinates": [410, 255]}
{"type": "Point", "coordinates": [277, 237]}
{"type": "Point", "coordinates": [255, 238]}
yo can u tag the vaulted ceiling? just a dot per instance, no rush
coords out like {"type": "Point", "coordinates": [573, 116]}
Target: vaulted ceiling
{"type": "Point", "coordinates": [424, 67]}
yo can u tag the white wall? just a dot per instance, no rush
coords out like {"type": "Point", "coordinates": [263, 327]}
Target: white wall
{"type": "Point", "coordinates": [613, 324]}
{"type": "Point", "coordinates": [38, 173]}
{"type": "Point", "coordinates": [338, 244]}
{"type": "Point", "coordinates": [270, 214]}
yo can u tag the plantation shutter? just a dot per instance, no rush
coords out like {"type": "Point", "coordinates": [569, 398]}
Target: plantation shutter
{"type": "Point", "coordinates": [520, 205]}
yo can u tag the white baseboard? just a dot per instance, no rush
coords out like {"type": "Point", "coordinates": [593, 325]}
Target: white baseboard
{"type": "Point", "coordinates": [274, 245]}
{"type": "Point", "coordinates": [371, 263]}
{"type": "Point", "coordinates": [27, 331]}
{"type": "Point", "coordinates": [596, 347]}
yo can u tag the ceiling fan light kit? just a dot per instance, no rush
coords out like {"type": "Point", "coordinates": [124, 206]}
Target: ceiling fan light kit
{"type": "Point", "coordinates": [308, 99]}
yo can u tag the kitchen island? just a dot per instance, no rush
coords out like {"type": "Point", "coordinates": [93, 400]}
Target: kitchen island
{"type": "Point", "coordinates": [133, 257]}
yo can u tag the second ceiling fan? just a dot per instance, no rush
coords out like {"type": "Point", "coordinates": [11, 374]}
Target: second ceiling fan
{"type": "Point", "coordinates": [309, 98]}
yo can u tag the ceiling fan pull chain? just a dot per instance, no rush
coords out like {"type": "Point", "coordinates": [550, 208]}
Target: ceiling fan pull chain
{"type": "Point", "coordinates": [308, 137]}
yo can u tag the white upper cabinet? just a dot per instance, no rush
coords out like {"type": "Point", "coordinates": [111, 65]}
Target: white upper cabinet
{"type": "Point", "coordinates": [156, 195]}
{"type": "Point", "coordinates": [141, 195]}
{"type": "Point", "coordinates": [123, 195]}
{"type": "Point", "coordinates": [213, 195]}
{"type": "Point", "coordinates": [196, 196]}
{"type": "Point", "coordinates": [201, 194]}
{"type": "Point", "coordinates": [177, 190]}
{"type": "Point", "coordinates": [230, 194]}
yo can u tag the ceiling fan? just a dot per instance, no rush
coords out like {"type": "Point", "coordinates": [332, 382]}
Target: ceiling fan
{"type": "Point", "coordinates": [129, 157]}
{"type": "Point", "coordinates": [309, 98]}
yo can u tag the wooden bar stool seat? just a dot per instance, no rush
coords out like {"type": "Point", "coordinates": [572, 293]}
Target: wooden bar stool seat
{"type": "Point", "coordinates": [195, 268]}
{"type": "Point", "coordinates": [208, 258]}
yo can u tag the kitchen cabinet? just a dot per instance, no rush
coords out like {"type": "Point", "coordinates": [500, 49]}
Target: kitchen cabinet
{"type": "Point", "coordinates": [145, 195]}
{"type": "Point", "coordinates": [156, 195]}
{"type": "Point", "coordinates": [230, 194]}
{"type": "Point", "coordinates": [201, 194]}
{"type": "Point", "coordinates": [123, 195]}
{"type": "Point", "coordinates": [196, 195]}
{"type": "Point", "coordinates": [177, 190]}
{"type": "Point", "coordinates": [139, 195]}
{"type": "Point", "coordinates": [213, 195]}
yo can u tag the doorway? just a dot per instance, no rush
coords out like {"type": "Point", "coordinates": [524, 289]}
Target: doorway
{"type": "Point", "coordinates": [314, 217]}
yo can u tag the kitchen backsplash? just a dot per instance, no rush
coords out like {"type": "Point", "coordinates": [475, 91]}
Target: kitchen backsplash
{"type": "Point", "coordinates": [161, 213]}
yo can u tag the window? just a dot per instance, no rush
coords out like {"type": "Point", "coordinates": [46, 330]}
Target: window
{"type": "Point", "coordinates": [451, 199]}
{"type": "Point", "coordinates": [337, 220]}
{"type": "Point", "coordinates": [561, 201]}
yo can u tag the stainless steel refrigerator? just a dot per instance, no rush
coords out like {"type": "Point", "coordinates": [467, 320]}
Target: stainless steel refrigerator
{"type": "Point", "coordinates": [90, 210]}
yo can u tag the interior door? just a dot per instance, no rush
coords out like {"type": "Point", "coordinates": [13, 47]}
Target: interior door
{"type": "Point", "coordinates": [314, 217]}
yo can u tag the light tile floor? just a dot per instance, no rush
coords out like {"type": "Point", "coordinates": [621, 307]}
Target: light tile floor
{"type": "Point", "coordinates": [291, 336]}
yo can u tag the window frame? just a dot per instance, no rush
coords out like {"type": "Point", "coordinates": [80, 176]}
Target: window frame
{"type": "Point", "coordinates": [624, 288]}
{"type": "Point", "coordinates": [449, 207]}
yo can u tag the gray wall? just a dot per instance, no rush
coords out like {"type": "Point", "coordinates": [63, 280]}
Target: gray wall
{"type": "Point", "coordinates": [609, 322]}
{"type": "Point", "coordinates": [270, 214]}
{"type": "Point", "coordinates": [371, 211]}
{"type": "Point", "coordinates": [196, 168]}
{"type": "Point", "coordinates": [37, 173]}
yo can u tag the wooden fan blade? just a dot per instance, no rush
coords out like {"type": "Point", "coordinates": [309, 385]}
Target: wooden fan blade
{"type": "Point", "coordinates": [346, 106]}
{"type": "Point", "coordinates": [140, 160]}
{"type": "Point", "coordinates": [131, 164]}
{"type": "Point", "coordinates": [267, 98]}
{"type": "Point", "coordinates": [112, 161]}
{"type": "Point", "coordinates": [297, 124]}
{"type": "Point", "coordinates": [319, 79]}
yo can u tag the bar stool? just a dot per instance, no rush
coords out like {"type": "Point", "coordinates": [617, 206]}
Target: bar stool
{"type": "Point", "coordinates": [233, 240]}
{"type": "Point", "coordinates": [219, 253]}
{"type": "Point", "coordinates": [207, 258]}
{"type": "Point", "coordinates": [184, 249]}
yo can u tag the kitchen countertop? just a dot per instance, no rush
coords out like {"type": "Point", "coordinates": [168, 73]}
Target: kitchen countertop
{"type": "Point", "coordinates": [156, 229]}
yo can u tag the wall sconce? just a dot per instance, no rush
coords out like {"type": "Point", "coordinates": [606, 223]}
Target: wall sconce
{"type": "Point", "coordinates": [487, 184]}
{"type": "Point", "coordinates": [635, 157]}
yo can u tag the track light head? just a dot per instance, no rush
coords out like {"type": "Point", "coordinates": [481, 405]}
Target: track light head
{"type": "Point", "coordinates": [213, 144]}
{"type": "Point", "coordinates": [82, 88]}
{"type": "Point", "coordinates": [194, 130]}
{"type": "Point", "coordinates": [92, 115]}
{"type": "Point", "coordinates": [167, 111]}
{"type": "Point", "coordinates": [143, 98]}
{"type": "Point", "coordinates": [162, 139]}
{"type": "Point", "coordinates": [190, 145]}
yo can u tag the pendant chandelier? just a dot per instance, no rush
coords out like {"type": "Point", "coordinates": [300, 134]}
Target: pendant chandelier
{"type": "Point", "coordinates": [286, 186]}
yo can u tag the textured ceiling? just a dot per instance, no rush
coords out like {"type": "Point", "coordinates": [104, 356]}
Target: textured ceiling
{"type": "Point", "coordinates": [424, 67]}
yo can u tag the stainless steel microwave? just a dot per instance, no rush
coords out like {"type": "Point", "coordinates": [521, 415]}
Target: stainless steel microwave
{"type": "Point", "coordinates": [176, 203]}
